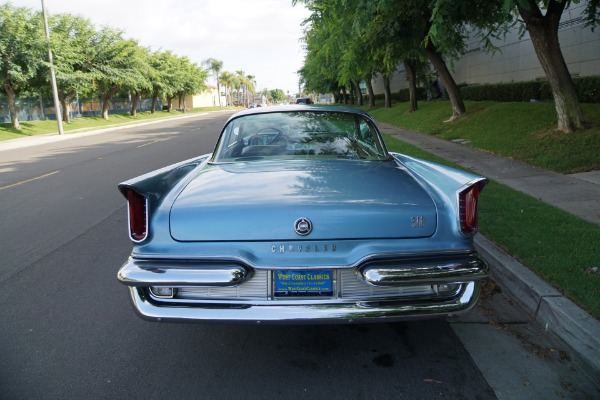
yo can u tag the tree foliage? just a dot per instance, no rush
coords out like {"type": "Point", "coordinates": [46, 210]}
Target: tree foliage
{"type": "Point", "coordinates": [347, 40]}
{"type": "Point", "coordinates": [21, 51]}
{"type": "Point", "coordinates": [88, 60]}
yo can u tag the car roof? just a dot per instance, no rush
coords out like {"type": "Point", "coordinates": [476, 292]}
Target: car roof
{"type": "Point", "coordinates": [296, 108]}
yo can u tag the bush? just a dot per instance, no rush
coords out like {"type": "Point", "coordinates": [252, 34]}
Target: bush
{"type": "Point", "coordinates": [588, 91]}
{"type": "Point", "coordinates": [404, 94]}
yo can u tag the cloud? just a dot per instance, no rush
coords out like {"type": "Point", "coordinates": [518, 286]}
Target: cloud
{"type": "Point", "coordinates": [260, 37]}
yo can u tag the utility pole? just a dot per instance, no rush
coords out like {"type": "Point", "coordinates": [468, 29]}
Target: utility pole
{"type": "Point", "coordinates": [52, 76]}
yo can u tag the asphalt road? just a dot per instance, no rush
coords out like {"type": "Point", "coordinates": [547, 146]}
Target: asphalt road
{"type": "Point", "coordinates": [67, 330]}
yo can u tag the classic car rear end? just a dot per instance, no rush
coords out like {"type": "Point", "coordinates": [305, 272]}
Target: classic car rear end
{"type": "Point", "coordinates": [302, 216]}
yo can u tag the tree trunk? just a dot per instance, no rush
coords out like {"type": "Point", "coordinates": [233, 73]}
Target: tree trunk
{"type": "Point", "coordinates": [371, 92]}
{"type": "Point", "coordinates": [66, 106]}
{"type": "Point", "coordinates": [134, 103]}
{"type": "Point", "coordinates": [65, 102]}
{"type": "Point", "coordinates": [345, 95]}
{"type": "Point", "coordinates": [387, 92]}
{"type": "Point", "coordinates": [12, 105]}
{"type": "Point", "coordinates": [411, 74]}
{"type": "Point", "coordinates": [169, 103]}
{"type": "Point", "coordinates": [458, 106]}
{"type": "Point", "coordinates": [105, 107]}
{"type": "Point", "coordinates": [106, 98]}
{"type": "Point", "coordinates": [153, 107]}
{"type": "Point", "coordinates": [359, 96]}
{"type": "Point", "coordinates": [219, 92]}
{"type": "Point", "coordinates": [544, 37]}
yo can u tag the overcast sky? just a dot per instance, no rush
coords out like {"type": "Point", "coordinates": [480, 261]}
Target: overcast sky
{"type": "Point", "coordinates": [260, 37]}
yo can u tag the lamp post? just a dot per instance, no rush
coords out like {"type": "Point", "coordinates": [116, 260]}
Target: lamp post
{"type": "Point", "coordinates": [52, 76]}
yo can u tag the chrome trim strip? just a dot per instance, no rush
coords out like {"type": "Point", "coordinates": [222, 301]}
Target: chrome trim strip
{"type": "Point", "coordinates": [305, 313]}
{"type": "Point", "coordinates": [134, 273]}
{"type": "Point", "coordinates": [363, 260]}
{"type": "Point", "coordinates": [444, 271]}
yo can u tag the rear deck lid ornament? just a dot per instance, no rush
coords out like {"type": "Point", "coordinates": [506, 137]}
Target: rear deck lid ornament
{"type": "Point", "coordinates": [303, 226]}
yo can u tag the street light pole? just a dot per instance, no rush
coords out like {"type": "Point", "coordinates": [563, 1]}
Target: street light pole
{"type": "Point", "coordinates": [52, 76]}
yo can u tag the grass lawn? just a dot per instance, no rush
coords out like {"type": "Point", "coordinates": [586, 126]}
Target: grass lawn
{"type": "Point", "coordinates": [523, 131]}
{"type": "Point", "coordinates": [557, 246]}
{"type": "Point", "coordinates": [31, 128]}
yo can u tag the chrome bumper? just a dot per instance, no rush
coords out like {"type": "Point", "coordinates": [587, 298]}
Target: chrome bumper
{"type": "Point", "coordinates": [362, 311]}
{"type": "Point", "coordinates": [465, 270]}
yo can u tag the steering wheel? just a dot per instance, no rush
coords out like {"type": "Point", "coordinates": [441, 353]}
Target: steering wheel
{"type": "Point", "coordinates": [262, 137]}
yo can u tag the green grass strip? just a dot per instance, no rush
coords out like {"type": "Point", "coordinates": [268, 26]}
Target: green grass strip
{"type": "Point", "coordinates": [523, 131]}
{"type": "Point", "coordinates": [31, 128]}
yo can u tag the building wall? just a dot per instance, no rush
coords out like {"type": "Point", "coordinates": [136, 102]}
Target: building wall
{"type": "Point", "coordinates": [208, 98]}
{"type": "Point", "coordinates": [516, 59]}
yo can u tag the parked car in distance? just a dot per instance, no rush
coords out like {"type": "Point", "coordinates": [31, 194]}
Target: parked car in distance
{"type": "Point", "coordinates": [301, 215]}
{"type": "Point", "coordinates": [304, 100]}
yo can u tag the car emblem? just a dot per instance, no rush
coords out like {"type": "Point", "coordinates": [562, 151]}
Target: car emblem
{"type": "Point", "coordinates": [303, 226]}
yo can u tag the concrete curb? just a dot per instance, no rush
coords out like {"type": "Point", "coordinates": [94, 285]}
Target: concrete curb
{"type": "Point", "coordinates": [559, 316]}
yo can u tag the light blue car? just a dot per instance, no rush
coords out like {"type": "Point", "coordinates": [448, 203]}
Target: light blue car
{"type": "Point", "coordinates": [301, 216]}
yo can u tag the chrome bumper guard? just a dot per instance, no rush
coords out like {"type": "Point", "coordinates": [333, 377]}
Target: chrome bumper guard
{"type": "Point", "coordinates": [154, 273]}
{"type": "Point", "coordinates": [434, 271]}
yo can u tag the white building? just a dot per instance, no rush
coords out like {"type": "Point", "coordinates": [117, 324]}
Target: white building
{"type": "Point", "coordinates": [516, 59]}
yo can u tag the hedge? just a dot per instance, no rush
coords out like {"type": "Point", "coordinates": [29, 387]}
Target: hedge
{"type": "Point", "coordinates": [588, 91]}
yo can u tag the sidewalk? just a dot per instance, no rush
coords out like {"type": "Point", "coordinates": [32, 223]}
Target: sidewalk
{"type": "Point", "coordinates": [577, 194]}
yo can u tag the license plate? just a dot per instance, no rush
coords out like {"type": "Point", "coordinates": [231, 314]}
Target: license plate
{"type": "Point", "coordinates": [303, 283]}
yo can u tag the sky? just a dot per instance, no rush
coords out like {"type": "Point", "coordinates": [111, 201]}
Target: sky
{"type": "Point", "coordinates": [259, 37]}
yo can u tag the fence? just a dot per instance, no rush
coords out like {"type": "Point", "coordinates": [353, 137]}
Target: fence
{"type": "Point", "coordinates": [43, 109]}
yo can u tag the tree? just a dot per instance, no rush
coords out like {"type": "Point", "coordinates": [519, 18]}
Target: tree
{"type": "Point", "coordinates": [277, 95]}
{"type": "Point", "coordinates": [113, 64]}
{"type": "Point", "coordinates": [194, 80]}
{"type": "Point", "coordinates": [140, 82]}
{"type": "Point", "coordinates": [160, 64]}
{"type": "Point", "coordinates": [543, 30]}
{"type": "Point", "coordinates": [21, 52]}
{"type": "Point", "coordinates": [541, 19]}
{"type": "Point", "coordinates": [215, 66]}
{"type": "Point", "coordinates": [70, 41]}
{"type": "Point", "coordinates": [227, 79]}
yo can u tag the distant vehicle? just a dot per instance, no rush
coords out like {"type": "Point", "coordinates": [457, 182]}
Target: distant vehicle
{"type": "Point", "coordinates": [303, 100]}
{"type": "Point", "coordinates": [301, 215]}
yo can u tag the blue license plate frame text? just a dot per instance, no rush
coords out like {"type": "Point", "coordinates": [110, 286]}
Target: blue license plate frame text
{"type": "Point", "coordinates": [290, 283]}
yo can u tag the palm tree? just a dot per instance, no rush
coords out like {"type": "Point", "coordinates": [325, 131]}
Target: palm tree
{"type": "Point", "coordinates": [241, 85]}
{"type": "Point", "coordinates": [227, 81]}
{"type": "Point", "coordinates": [215, 66]}
{"type": "Point", "coordinates": [250, 86]}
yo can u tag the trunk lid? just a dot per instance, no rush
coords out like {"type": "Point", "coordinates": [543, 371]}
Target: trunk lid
{"type": "Point", "coordinates": [261, 201]}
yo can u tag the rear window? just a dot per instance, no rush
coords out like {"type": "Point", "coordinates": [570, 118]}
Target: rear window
{"type": "Point", "coordinates": [295, 135]}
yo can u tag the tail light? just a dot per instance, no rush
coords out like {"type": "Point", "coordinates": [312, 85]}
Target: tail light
{"type": "Point", "coordinates": [138, 216]}
{"type": "Point", "coordinates": [467, 207]}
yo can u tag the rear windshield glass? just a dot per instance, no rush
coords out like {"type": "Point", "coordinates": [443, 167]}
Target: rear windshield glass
{"type": "Point", "coordinates": [303, 134]}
